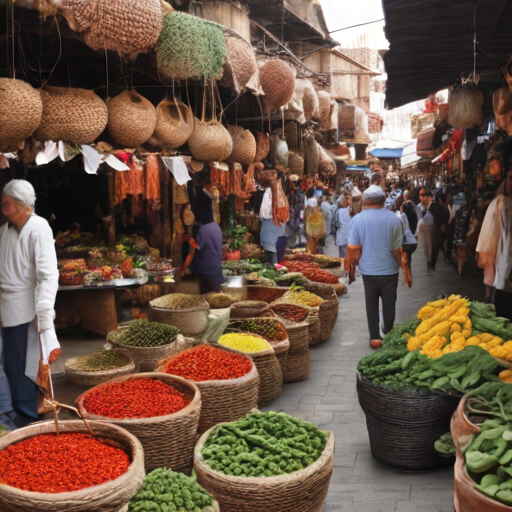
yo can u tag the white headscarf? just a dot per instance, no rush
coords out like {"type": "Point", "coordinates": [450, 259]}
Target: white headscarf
{"type": "Point", "coordinates": [312, 202]}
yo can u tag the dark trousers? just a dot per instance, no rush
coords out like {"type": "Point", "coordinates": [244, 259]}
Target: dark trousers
{"type": "Point", "coordinates": [209, 284]}
{"type": "Point", "coordinates": [270, 257]}
{"type": "Point", "coordinates": [437, 245]}
{"type": "Point", "coordinates": [375, 288]}
{"type": "Point", "coordinates": [23, 390]}
{"type": "Point", "coordinates": [503, 303]}
{"type": "Point", "coordinates": [281, 248]}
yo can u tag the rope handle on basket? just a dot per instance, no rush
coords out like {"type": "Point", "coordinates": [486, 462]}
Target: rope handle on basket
{"type": "Point", "coordinates": [54, 406]}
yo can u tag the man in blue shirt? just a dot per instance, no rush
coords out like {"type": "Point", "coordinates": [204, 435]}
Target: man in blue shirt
{"type": "Point", "coordinates": [376, 236]}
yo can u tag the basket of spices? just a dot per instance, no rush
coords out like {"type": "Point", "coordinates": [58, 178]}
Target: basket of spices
{"type": "Point", "coordinates": [328, 314]}
{"type": "Point", "coordinates": [145, 342]}
{"type": "Point", "coordinates": [266, 294]}
{"type": "Point", "coordinates": [249, 309]}
{"type": "Point", "coordinates": [219, 300]}
{"type": "Point", "coordinates": [228, 382]}
{"type": "Point", "coordinates": [161, 410]}
{"type": "Point", "coordinates": [70, 472]}
{"type": "Point", "coordinates": [189, 313]}
{"type": "Point", "coordinates": [165, 490]}
{"type": "Point", "coordinates": [265, 359]}
{"type": "Point", "coordinates": [287, 467]}
{"type": "Point", "coordinates": [97, 367]}
{"type": "Point", "coordinates": [298, 362]}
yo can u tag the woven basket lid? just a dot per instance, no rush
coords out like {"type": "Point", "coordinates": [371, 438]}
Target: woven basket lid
{"type": "Point", "coordinates": [244, 145]}
{"type": "Point", "coordinates": [278, 83]}
{"type": "Point", "coordinates": [131, 119]}
{"type": "Point", "coordinates": [77, 116]}
{"type": "Point", "coordinates": [21, 109]}
{"type": "Point", "coordinates": [128, 27]}
{"type": "Point", "coordinates": [210, 141]}
{"type": "Point", "coordinates": [174, 125]}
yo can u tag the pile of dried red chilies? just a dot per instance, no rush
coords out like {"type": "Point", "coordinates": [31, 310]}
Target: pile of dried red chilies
{"type": "Point", "coordinates": [69, 462]}
{"type": "Point", "coordinates": [205, 363]}
{"type": "Point", "coordinates": [134, 398]}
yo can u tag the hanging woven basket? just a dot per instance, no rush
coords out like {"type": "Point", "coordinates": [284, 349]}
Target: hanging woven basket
{"type": "Point", "coordinates": [210, 141]}
{"type": "Point", "coordinates": [76, 116]}
{"type": "Point", "coordinates": [278, 83]}
{"type": "Point", "coordinates": [191, 48]}
{"type": "Point", "coordinates": [241, 63]}
{"type": "Point", "coordinates": [324, 108]}
{"type": "Point", "coordinates": [296, 164]}
{"type": "Point", "coordinates": [244, 145]}
{"type": "Point", "coordinates": [174, 125]}
{"type": "Point", "coordinates": [21, 110]}
{"type": "Point", "coordinates": [131, 119]}
{"type": "Point", "coordinates": [128, 27]}
{"type": "Point", "coordinates": [465, 106]}
{"type": "Point", "coordinates": [262, 146]}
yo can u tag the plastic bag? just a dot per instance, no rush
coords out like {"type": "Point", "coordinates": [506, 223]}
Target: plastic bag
{"type": "Point", "coordinates": [280, 205]}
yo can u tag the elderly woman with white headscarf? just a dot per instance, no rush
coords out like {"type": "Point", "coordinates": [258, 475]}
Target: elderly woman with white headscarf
{"type": "Point", "coordinates": [28, 286]}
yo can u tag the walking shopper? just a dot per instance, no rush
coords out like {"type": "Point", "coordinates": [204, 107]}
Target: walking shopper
{"type": "Point", "coordinates": [269, 232]}
{"type": "Point", "coordinates": [495, 248]}
{"type": "Point", "coordinates": [315, 225]}
{"type": "Point", "coordinates": [29, 280]}
{"type": "Point", "coordinates": [342, 221]}
{"type": "Point", "coordinates": [376, 236]}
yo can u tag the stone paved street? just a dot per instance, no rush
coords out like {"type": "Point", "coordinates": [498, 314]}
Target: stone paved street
{"type": "Point", "coordinates": [329, 399]}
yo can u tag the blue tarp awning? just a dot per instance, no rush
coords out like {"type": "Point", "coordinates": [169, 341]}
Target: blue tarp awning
{"type": "Point", "coordinates": [387, 153]}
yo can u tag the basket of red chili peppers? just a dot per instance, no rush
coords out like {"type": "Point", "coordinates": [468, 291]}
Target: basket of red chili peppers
{"type": "Point", "coordinates": [228, 382]}
{"type": "Point", "coordinates": [70, 472]}
{"type": "Point", "coordinates": [161, 410]}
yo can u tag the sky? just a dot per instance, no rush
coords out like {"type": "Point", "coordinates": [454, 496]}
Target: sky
{"type": "Point", "coordinates": [342, 13]}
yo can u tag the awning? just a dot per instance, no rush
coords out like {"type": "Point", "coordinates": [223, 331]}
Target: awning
{"type": "Point", "coordinates": [431, 44]}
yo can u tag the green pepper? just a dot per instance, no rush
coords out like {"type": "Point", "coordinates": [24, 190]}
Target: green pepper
{"type": "Point", "coordinates": [506, 485]}
{"type": "Point", "coordinates": [409, 359]}
{"type": "Point", "coordinates": [489, 480]}
{"type": "Point", "coordinates": [505, 496]}
{"type": "Point", "coordinates": [470, 380]}
{"type": "Point", "coordinates": [500, 446]}
{"type": "Point", "coordinates": [489, 491]}
{"type": "Point", "coordinates": [506, 458]}
{"type": "Point", "coordinates": [478, 462]}
{"type": "Point", "coordinates": [441, 383]}
{"type": "Point", "coordinates": [491, 424]}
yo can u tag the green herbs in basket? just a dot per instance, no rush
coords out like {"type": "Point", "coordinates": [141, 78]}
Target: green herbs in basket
{"type": "Point", "coordinates": [142, 333]}
{"type": "Point", "coordinates": [166, 491]}
{"type": "Point", "coordinates": [191, 48]}
{"type": "Point", "coordinates": [263, 445]}
{"type": "Point", "coordinates": [99, 361]}
{"type": "Point", "coordinates": [178, 301]}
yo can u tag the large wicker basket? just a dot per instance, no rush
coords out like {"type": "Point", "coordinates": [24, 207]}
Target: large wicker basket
{"type": "Point", "coordinates": [226, 400]}
{"type": "Point", "coordinates": [210, 141]}
{"type": "Point", "coordinates": [266, 294]}
{"type": "Point", "coordinates": [145, 358]}
{"type": "Point", "coordinates": [21, 109]}
{"type": "Point", "coordinates": [249, 309]}
{"type": "Point", "coordinates": [328, 315]}
{"type": "Point", "coordinates": [168, 441]}
{"type": "Point", "coordinates": [174, 125]}
{"type": "Point", "coordinates": [281, 349]}
{"type": "Point", "coordinates": [240, 65]}
{"type": "Point", "coordinates": [108, 497]}
{"type": "Point", "coordinates": [298, 363]}
{"type": "Point", "coordinates": [403, 427]}
{"type": "Point", "coordinates": [83, 378]}
{"type": "Point", "coordinates": [191, 322]}
{"type": "Point", "coordinates": [302, 491]}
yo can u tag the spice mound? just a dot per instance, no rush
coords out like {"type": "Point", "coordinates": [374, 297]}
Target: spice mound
{"type": "Point", "coordinates": [269, 328]}
{"type": "Point", "coordinates": [178, 301]}
{"type": "Point", "coordinates": [290, 312]}
{"type": "Point", "coordinates": [320, 276]}
{"type": "Point", "coordinates": [206, 363]}
{"type": "Point", "coordinates": [303, 298]}
{"type": "Point", "coordinates": [69, 462]}
{"type": "Point", "coordinates": [219, 300]}
{"type": "Point", "coordinates": [250, 344]}
{"type": "Point", "coordinates": [163, 490]}
{"type": "Point", "coordinates": [99, 361]}
{"type": "Point", "coordinates": [134, 398]}
{"type": "Point", "coordinates": [142, 333]}
{"type": "Point", "coordinates": [263, 444]}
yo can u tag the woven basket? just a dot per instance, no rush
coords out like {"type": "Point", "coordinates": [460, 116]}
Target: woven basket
{"type": "Point", "coordinates": [465, 106]}
{"type": "Point", "coordinates": [210, 141]}
{"type": "Point", "coordinates": [244, 145]}
{"type": "Point", "coordinates": [403, 428]}
{"type": "Point", "coordinates": [266, 294]}
{"type": "Point", "coordinates": [241, 63]}
{"type": "Point", "coordinates": [281, 349]}
{"type": "Point", "coordinates": [262, 146]}
{"type": "Point", "coordinates": [249, 309]}
{"type": "Point", "coordinates": [144, 358]}
{"type": "Point", "coordinates": [89, 379]}
{"type": "Point", "coordinates": [296, 164]}
{"type": "Point", "coordinates": [131, 119]}
{"type": "Point", "coordinates": [298, 362]}
{"type": "Point", "coordinates": [347, 121]}
{"type": "Point", "coordinates": [314, 332]}
{"type": "Point", "coordinates": [108, 497]}
{"type": "Point", "coordinates": [21, 110]}
{"type": "Point", "coordinates": [129, 27]}
{"type": "Point", "coordinates": [328, 315]}
{"type": "Point", "coordinates": [311, 155]}
{"type": "Point", "coordinates": [174, 125]}
{"type": "Point", "coordinates": [168, 441]}
{"type": "Point", "coordinates": [225, 400]}
{"type": "Point", "coordinates": [271, 376]}
{"type": "Point", "coordinates": [267, 178]}
{"type": "Point", "coordinates": [191, 322]}
{"type": "Point", "coordinates": [71, 115]}
{"type": "Point", "coordinates": [302, 491]}
{"type": "Point", "coordinates": [324, 109]}
{"type": "Point", "coordinates": [278, 83]}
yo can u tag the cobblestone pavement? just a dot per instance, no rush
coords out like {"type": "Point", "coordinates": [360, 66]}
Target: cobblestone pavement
{"type": "Point", "coordinates": [329, 399]}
